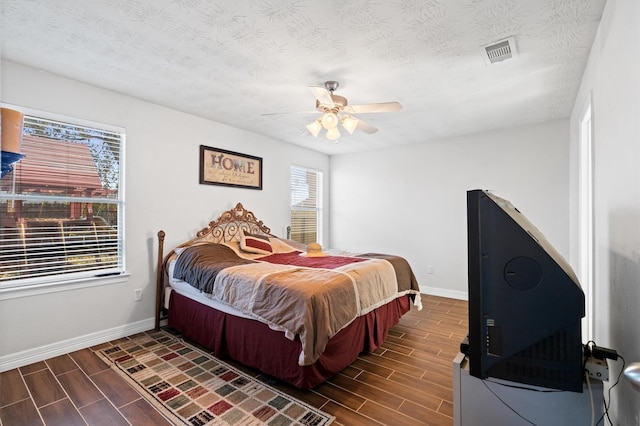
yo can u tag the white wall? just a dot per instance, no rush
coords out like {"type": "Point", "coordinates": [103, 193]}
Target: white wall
{"type": "Point", "coordinates": [612, 79]}
{"type": "Point", "coordinates": [411, 200]}
{"type": "Point", "coordinates": [162, 192]}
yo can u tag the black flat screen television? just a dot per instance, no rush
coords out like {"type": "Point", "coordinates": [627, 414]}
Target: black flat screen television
{"type": "Point", "coordinates": [525, 301]}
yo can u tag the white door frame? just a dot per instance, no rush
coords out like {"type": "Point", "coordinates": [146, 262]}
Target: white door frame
{"type": "Point", "coordinates": [586, 238]}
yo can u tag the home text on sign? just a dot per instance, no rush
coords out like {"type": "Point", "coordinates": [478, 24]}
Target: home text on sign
{"type": "Point", "coordinates": [220, 167]}
{"type": "Point", "coordinates": [230, 164]}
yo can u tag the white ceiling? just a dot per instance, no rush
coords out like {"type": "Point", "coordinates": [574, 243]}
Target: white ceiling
{"type": "Point", "coordinates": [234, 60]}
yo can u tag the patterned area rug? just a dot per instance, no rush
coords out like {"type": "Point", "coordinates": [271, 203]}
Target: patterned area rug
{"type": "Point", "coordinates": [192, 387]}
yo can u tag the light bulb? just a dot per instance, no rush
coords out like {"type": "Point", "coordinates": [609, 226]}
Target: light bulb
{"type": "Point", "coordinates": [314, 128]}
{"type": "Point", "coordinates": [350, 123]}
{"type": "Point", "coordinates": [329, 121]}
{"type": "Point", "coordinates": [333, 133]}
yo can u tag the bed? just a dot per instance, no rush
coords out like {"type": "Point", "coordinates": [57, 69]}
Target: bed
{"type": "Point", "coordinates": [274, 305]}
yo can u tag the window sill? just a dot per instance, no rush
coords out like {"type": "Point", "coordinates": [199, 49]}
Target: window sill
{"type": "Point", "coordinates": [39, 289]}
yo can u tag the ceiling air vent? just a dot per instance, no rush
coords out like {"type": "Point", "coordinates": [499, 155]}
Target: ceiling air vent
{"type": "Point", "coordinates": [500, 51]}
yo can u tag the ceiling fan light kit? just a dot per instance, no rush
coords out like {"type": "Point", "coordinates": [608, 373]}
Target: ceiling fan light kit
{"type": "Point", "coordinates": [315, 127]}
{"type": "Point", "coordinates": [330, 120]}
{"type": "Point", "coordinates": [333, 134]}
{"type": "Point", "coordinates": [349, 123]}
{"type": "Point", "coordinates": [335, 109]}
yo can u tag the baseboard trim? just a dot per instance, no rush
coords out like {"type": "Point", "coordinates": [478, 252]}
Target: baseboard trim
{"type": "Point", "coordinates": [20, 359]}
{"type": "Point", "coordinates": [452, 294]}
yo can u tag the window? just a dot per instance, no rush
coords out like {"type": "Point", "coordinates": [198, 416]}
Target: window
{"type": "Point", "coordinates": [62, 206]}
{"type": "Point", "coordinates": [306, 205]}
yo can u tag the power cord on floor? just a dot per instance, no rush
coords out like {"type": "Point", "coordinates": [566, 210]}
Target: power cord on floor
{"type": "Point", "coordinates": [590, 350]}
{"type": "Point", "coordinates": [598, 352]}
{"type": "Point", "coordinates": [505, 404]}
{"type": "Point", "coordinates": [607, 404]}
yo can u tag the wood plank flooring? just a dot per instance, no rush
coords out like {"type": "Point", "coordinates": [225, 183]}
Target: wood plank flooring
{"type": "Point", "coordinates": [407, 381]}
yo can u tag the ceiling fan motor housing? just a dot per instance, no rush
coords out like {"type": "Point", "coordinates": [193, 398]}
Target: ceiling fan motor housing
{"type": "Point", "coordinates": [331, 85]}
{"type": "Point", "coordinates": [339, 102]}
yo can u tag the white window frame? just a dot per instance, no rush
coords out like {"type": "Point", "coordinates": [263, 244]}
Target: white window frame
{"type": "Point", "coordinates": [318, 202]}
{"type": "Point", "coordinates": [61, 282]}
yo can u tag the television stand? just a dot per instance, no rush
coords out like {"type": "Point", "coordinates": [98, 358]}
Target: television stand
{"type": "Point", "coordinates": [476, 402]}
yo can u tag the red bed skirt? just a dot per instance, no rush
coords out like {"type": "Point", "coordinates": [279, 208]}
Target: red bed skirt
{"type": "Point", "coordinates": [254, 344]}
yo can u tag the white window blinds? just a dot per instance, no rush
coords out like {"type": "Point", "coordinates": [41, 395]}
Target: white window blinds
{"type": "Point", "coordinates": [306, 205]}
{"type": "Point", "coordinates": [62, 206]}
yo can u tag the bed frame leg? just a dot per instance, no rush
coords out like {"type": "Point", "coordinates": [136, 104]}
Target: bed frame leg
{"type": "Point", "coordinates": [159, 278]}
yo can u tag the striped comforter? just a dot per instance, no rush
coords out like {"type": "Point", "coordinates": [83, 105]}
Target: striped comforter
{"type": "Point", "coordinates": [312, 298]}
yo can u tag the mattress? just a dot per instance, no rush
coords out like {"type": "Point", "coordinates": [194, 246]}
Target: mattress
{"type": "Point", "coordinates": [187, 290]}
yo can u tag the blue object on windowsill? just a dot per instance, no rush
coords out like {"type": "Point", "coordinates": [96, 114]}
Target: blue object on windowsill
{"type": "Point", "coordinates": [9, 158]}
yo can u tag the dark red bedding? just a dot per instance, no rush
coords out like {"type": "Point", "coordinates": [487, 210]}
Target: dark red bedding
{"type": "Point", "coordinates": [248, 341]}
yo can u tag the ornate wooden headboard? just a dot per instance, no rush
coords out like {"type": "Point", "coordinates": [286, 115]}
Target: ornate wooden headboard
{"type": "Point", "coordinates": [227, 227]}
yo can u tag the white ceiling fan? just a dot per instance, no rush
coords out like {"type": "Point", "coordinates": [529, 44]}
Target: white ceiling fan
{"type": "Point", "coordinates": [336, 110]}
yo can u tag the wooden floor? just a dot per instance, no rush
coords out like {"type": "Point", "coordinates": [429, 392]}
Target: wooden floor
{"type": "Point", "coordinates": [408, 381]}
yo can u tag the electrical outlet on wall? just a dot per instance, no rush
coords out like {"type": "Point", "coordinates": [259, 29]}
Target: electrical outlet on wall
{"type": "Point", "coordinates": [429, 269]}
{"type": "Point", "coordinates": [137, 294]}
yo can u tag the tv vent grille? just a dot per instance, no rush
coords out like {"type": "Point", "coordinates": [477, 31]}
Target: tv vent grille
{"type": "Point", "coordinates": [554, 361]}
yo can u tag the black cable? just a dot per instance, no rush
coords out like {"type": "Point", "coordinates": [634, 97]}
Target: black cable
{"type": "Point", "coordinates": [525, 387]}
{"type": "Point", "coordinates": [505, 404]}
{"type": "Point", "coordinates": [588, 349]}
{"type": "Point", "coordinates": [606, 405]}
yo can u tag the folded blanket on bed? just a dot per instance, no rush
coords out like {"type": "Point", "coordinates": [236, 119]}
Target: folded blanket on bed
{"type": "Point", "coordinates": [313, 301]}
{"type": "Point", "coordinates": [404, 273]}
{"type": "Point", "coordinates": [199, 265]}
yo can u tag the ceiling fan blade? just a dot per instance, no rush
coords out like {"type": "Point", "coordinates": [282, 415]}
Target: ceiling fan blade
{"type": "Point", "coordinates": [322, 95]}
{"type": "Point", "coordinates": [365, 127]}
{"type": "Point", "coordinates": [379, 107]}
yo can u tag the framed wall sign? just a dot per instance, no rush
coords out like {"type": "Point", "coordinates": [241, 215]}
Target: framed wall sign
{"type": "Point", "coordinates": [228, 168]}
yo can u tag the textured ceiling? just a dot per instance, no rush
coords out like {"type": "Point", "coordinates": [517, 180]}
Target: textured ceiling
{"type": "Point", "coordinates": [232, 61]}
